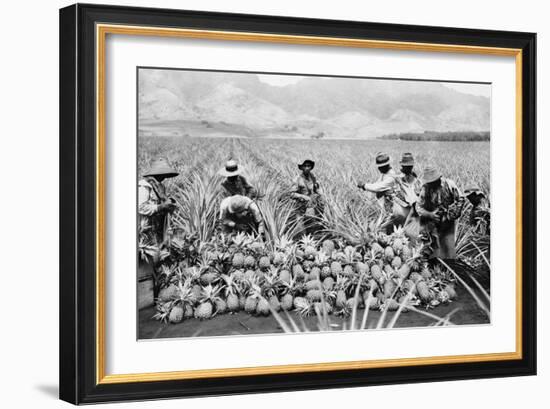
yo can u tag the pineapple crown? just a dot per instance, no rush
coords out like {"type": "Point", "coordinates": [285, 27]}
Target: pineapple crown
{"type": "Point", "coordinates": [210, 293]}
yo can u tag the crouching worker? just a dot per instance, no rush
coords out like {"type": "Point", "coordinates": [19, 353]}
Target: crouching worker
{"type": "Point", "coordinates": [439, 205]}
{"type": "Point", "coordinates": [154, 209]}
{"type": "Point", "coordinates": [480, 215]}
{"type": "Point", "coordinates": [241, 214]}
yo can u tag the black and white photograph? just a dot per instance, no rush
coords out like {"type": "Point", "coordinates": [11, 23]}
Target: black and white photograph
{"type": "Point", "coordinates": [281, 203]}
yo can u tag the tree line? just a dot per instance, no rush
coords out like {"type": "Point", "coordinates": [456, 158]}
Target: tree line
{"type": "Point", "coordinates": [468, 136]}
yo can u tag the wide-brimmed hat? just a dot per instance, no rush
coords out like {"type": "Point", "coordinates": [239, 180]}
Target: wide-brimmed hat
{"type": "Point", "coordinates": [431, 174]}
{"type": "Point", "coordinates": [238, 203]}
{"type": "Point", "coordinates": [161, 167]}
{"type": "Point", "coordinates": [382, 159]}
{"type": "Point", "coordinates": [470, 190]}
{"type": "Point", "coordinates": [407, 159]}
{"type": "Point", "coordinates": [306, 162]}
{"type": "Point", "coordinates": [231, 168]}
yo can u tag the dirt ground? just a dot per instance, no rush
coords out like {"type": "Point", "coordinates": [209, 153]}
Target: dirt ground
{"type": "Point", "coordinates": [241, 323]}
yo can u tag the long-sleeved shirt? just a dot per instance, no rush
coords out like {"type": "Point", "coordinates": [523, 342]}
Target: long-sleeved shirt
{"type": "Point", "coordinates": [443, 196]}
{"type": "Point", "coordinates": [386, 189]}
{"type": "Point", "coordinates": [410, 187]}
{"type": "Point", "coordinates": [238, 185]}
{"type": "Point", "coordinates": [252, 214]}
{"type": "Point", "coordinates": [151, 194]}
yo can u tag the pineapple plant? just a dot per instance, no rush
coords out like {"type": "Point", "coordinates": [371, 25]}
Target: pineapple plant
{"type": "Point", "coordinates": [362, 268]}
{"type": "Point", "coordinates": [168, 293]}
{"type": "Point", "coordinates": [249, 275]}
{"type": "Point", "coordinates": [389, 288]}
{"type": "Point", "coordinates": [287, 302]}
{"type": "Point", "coordinates": [274, 303]}
{"type": "Point", "coordinates": [308, 245]}
{"type": "Point", "coordinates": [264, 262]}
{"type": "Point", "coordinates": [328, 283]}
{"type": "Point", "coordinates": [389, 305]}
{"type": "Point", "coordinates": [231, 291]}
{"type": "Point", "coordinates": [322, 306]}
{"type": "Point", "coordinates": [377, 274]}
{"type": "Point", "coordinates": [285, 276]}
{"type": "Point", "coordinates": [303, 306]}
{"type": "Point", "coordinates": [262, 307]}
{"type": "Point", "coordinates": [221, 306]}
{"type": "Point", "coordinates": [328, 246]}
{"type": "Point", "coordinates": [238, 275]}
{"type": "Point", "coordinates": [325, 272]}
{"type": "Point", "coordinates": [314, 285]}
{"type": "Point", "coordinates": [396, 262]}
{"type": "Point", "coordinates": [348, 270]}
{"type": "Point", "coordinates": [376, 249]}
{"type": "Point", "coordinates": [315, 273]}
{"type": "Point", "coordinates": [424, 291]}
{"type": "Point", "coordinates": [249, 261]}
{"type": "Point", "coordinates": [389, 254]}
{"type": "Point", "coordinates": [238, 260]}
{"type": "Point", "coordinates": [278, 258]}
{"type": "Point", "coordinates": [404, 271]}
{"type": "Point", "coordinates": [314, 295]}
{"type": "Point", "coordinates": [450, 289]}
{"type": "Point", "coordinates": [207, 301]}
{"type": "Point", "coordinates": [397, 245]}
{"type": "Point", "coordinates": [336, 268]}
{"type": "Point", "coordinates": [298, 271]}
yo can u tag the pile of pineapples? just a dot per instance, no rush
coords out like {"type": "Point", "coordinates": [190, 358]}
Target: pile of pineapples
{"type": "Point", "coordinates": [241, 273]}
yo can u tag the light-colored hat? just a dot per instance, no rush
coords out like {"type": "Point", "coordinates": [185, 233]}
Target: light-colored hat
{"type": "Point", "coordinates": [382, 159]}
{"type": "Point", "coordinates": [238, 204]}
{"type": "Point", "coordinates": [431, 174]}
{"type": "Point", "coordinates": [231, 168]}
{"type": "Point", "coordinates": [407, 159]}
{"type": "Point", "coordinates": [161, 167]}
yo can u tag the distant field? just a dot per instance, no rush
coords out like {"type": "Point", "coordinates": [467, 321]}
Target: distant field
{"type": "Point", "coordinates": [338, 162]}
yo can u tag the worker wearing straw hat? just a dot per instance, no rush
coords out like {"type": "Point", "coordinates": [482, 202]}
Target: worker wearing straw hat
{"type": "Point", "coordinates": [307, 194]}
{"type": "Point", "coordinates": [386, 189]}
{"type": "Point", "coordinates": [154, 209]}
{"type": "Point", "coordinates": [409, 189]}
{"type": "Point", "coordinates": [439, 205]}
{"type": "Point", "coordinates": [235, 183]}
{"type": "Point", "coordinates": [480, 214]}
{"type": "Point", "coordinates": [240, 214]}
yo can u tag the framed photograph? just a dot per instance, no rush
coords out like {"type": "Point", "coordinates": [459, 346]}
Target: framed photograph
{"type": "Point", "coordinates": [257, 203]}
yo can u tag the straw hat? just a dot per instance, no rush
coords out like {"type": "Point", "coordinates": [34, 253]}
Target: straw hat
{"type": "Point", "coordinates": [238, 203]}
{"type": "Point", "coordinates": [306, 162]}
{"type": "Point", "coordinates": [470, 190]}
{"type": "Point", "coordinates": [407, 159]}
{"type": "Point", "coordinates": [161, 167]}
{"type": "Point", "coordinates": [382, 159]}
{"type": "Point", "coordinates": [431, 174]}
{"type": "Point", "coordinates": [231, 168]}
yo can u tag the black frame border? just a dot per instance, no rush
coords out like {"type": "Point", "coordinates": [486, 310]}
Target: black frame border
{"type": "Point", "coordinates": [78, 197]}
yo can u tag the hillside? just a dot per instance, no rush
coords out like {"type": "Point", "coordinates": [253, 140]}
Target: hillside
{"type": "Point", "coordinates": [178, 102]}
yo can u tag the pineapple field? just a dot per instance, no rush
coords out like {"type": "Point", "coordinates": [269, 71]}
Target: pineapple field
{"type": "Point", "coordinates": [347, 275]}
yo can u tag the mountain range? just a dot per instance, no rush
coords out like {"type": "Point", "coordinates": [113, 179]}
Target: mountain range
{"type": "Point", "coordinates": [209, 103]}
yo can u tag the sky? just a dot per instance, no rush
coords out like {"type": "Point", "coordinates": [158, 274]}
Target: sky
{"type": "Point", "coordinates": [467, 88]}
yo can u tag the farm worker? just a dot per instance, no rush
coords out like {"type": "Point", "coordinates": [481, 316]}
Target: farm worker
{"type": "Point", "coordinates": [240, 213]}
{"type": "Point", "coordinates": [154, 209]}
{"type": "Point", "coordinates": [480, 214]}
{"type": "Point", "coordinates": [154, 205]}
{"type": "Point", "coordinates": [410, 186]}
{"type": "Point", "coordinates": [306, 192]}
{"type": "Point", "coordinates": [235, 183]}
{"type": "Point", "coordinates": [439, 205]}
{"type": "Point", "coordinates": [386, 188]}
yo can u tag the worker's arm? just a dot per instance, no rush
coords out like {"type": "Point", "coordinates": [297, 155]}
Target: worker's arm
{"type": "Point", "coordinates": [146, 203]}
{"type": "Point", "coordinates": [421, 208]}
{"type": "Point", "coordinates": [382, 186]}
{"type": "Point", "coordinates": [297, 189]}
{"type": "Point", "coordinates": [258, 219]}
